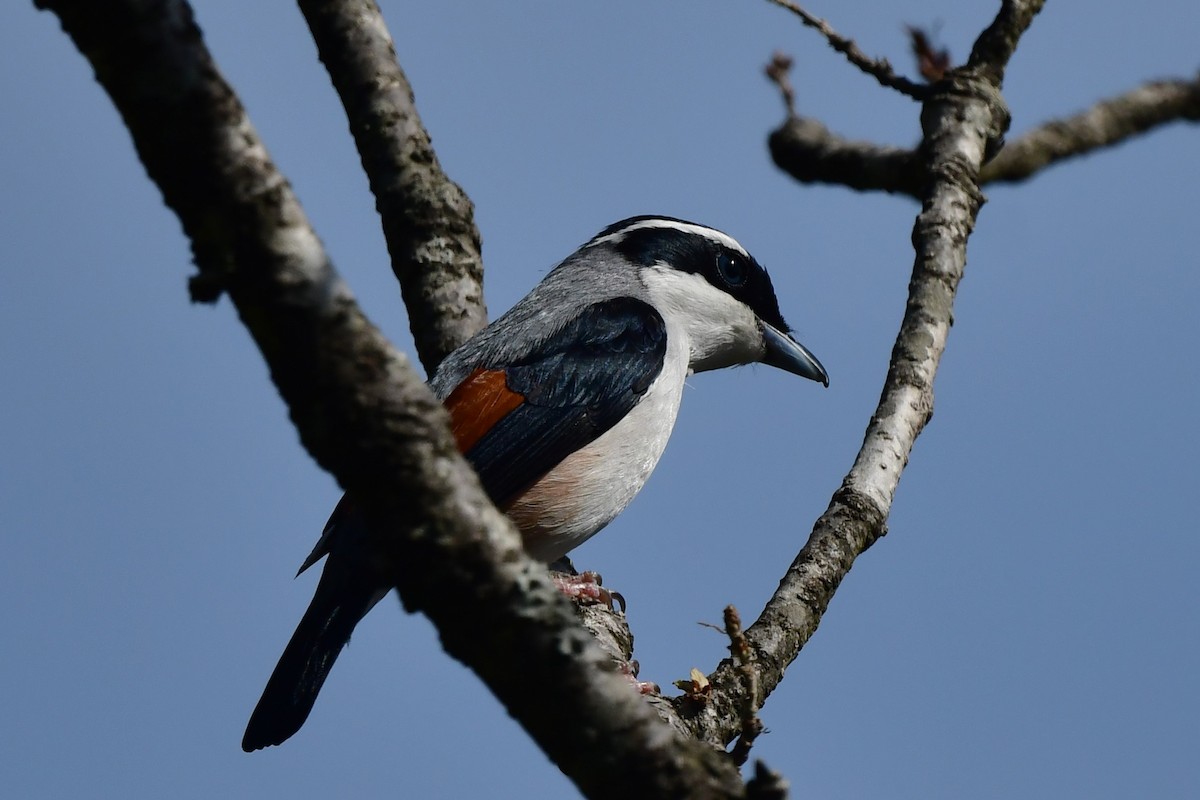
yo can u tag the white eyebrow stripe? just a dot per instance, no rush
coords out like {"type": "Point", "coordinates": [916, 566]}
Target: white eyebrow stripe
{"type": "Point", "coordinates": [686, 227]}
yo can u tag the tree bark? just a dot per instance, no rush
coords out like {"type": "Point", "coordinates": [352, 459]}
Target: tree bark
{"type": "Point", "coordinates": [428, 221]}
{"type": "Point", "coordinates": [811, 153]}
{"type": "Point", "coordinates": [961, 120]}
{"type": "Point", "coordinates": [365, 415]}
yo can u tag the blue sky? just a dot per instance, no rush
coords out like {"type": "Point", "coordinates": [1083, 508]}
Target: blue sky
{"type": "Point", "coordinates": [1029, 626]}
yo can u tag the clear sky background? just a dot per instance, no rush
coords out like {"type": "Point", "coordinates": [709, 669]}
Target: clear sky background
{"type": "Point", "coordinates": [1028, 628]}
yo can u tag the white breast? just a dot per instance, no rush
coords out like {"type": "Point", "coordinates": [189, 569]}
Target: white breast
{"type": "Point", "coordinates": [591, 486]}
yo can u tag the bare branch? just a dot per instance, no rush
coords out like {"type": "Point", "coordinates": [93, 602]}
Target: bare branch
{"type": "Point", "coordinates": [878, 68]}
{"type": "Point", "coordinates": [964, 113]}
{"type": "Point", "coordinates": [998, 42]}
{"type": "Point", "coordinates": [811, 153]}
{"type": "Point", "coordinates": [743, 661]}
{"type": "Point", "coordinates": [428, 220]}
{"type": "Point", "coordinates": [1105, 124]}
{"type": "Point", "coordinates": [364, 414]}
{"type": "Point", "coordinates": [777, 70]}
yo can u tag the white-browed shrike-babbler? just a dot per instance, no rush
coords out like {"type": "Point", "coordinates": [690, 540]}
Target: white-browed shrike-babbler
{"type": "Point", "coordinates": [563, 406]}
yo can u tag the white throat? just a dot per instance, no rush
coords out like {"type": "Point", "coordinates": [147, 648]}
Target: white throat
{"type": "Point", "coordinates": [721, 331]}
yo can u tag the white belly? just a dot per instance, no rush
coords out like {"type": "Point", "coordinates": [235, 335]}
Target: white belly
{"type": "Point", "coordinates": [591, 486]}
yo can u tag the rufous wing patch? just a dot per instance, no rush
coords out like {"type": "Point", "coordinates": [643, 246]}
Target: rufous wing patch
{"type": "Point", "coordinates": [477, 404]}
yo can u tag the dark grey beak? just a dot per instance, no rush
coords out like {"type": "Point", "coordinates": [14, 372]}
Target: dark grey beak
{"type": "Point", "coordinates": [787, 354]}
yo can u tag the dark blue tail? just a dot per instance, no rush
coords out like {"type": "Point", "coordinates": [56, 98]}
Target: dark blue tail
{"type": "Point", "coordinates": [323, 631]}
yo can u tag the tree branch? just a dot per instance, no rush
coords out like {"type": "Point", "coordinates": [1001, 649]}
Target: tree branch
{"type": "Point", "coordinates": [962, 117]}
{"type": "Point", "coordinates": [365, 415]}
{"type": "Point", "coordinates": [878, 68]}
{"type": "Point", "coordinates": [996, 45]}
{"type": "Point", "coordinates": [811, 153]}
{"type": "Point", "coordinates": [1105, 124]}
{"type": "Point", "coordinates": [428, 221]}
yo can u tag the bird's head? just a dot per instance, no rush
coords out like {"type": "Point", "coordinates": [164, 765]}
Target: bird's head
{"type": "Point", "coordinates": [710, 288]}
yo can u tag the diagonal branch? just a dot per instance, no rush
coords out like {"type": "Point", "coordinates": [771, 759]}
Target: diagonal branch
{"type": "Point", "coordinates": [960, 120]}
{"type": "Point", "coordinates": [996, 45]}
{"type": "Point", "coordinates": [428, 221]}
{"type": "Point", "coordinates": [1105, 124]}
{"type": "Point", "coordinates": [878, 68]}
{"type": "Point", "coordinates": [364, 414]}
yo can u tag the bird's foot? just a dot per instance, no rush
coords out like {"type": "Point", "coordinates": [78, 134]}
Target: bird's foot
{"type": "Point", "coordinates": [586, 588]}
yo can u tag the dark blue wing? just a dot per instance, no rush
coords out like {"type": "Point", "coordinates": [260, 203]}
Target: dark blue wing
{"type": "Point", "coordinates": [515, 421]}
{"type": "Point", "coordinates": [576, 386]}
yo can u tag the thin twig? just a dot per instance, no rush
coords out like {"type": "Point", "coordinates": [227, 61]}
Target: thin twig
{"type": "Point", "coordinates": [878, 68]}
{"type": "Point", "coordinates": [777, 70]}
{"type": "Point", "coordinates": [743, 659]}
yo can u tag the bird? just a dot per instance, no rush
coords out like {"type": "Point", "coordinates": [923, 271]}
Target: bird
{"type": "Point", "coordinates": [563, 406]}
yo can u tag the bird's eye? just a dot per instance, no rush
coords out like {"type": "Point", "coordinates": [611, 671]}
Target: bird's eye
{"type": "Point", "coordinates": [733, 270]}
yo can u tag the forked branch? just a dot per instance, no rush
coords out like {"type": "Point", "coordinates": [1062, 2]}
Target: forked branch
{"type": "Point", "coordinates": [961, 119]}
{"type": "Point", "coordinates": [878, 68]}
{"type": "Point", "coordinates": [811, 153]}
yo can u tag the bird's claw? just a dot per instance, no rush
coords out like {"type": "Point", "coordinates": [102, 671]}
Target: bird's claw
{"type": "Point", "coordinates": [586, 588]}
